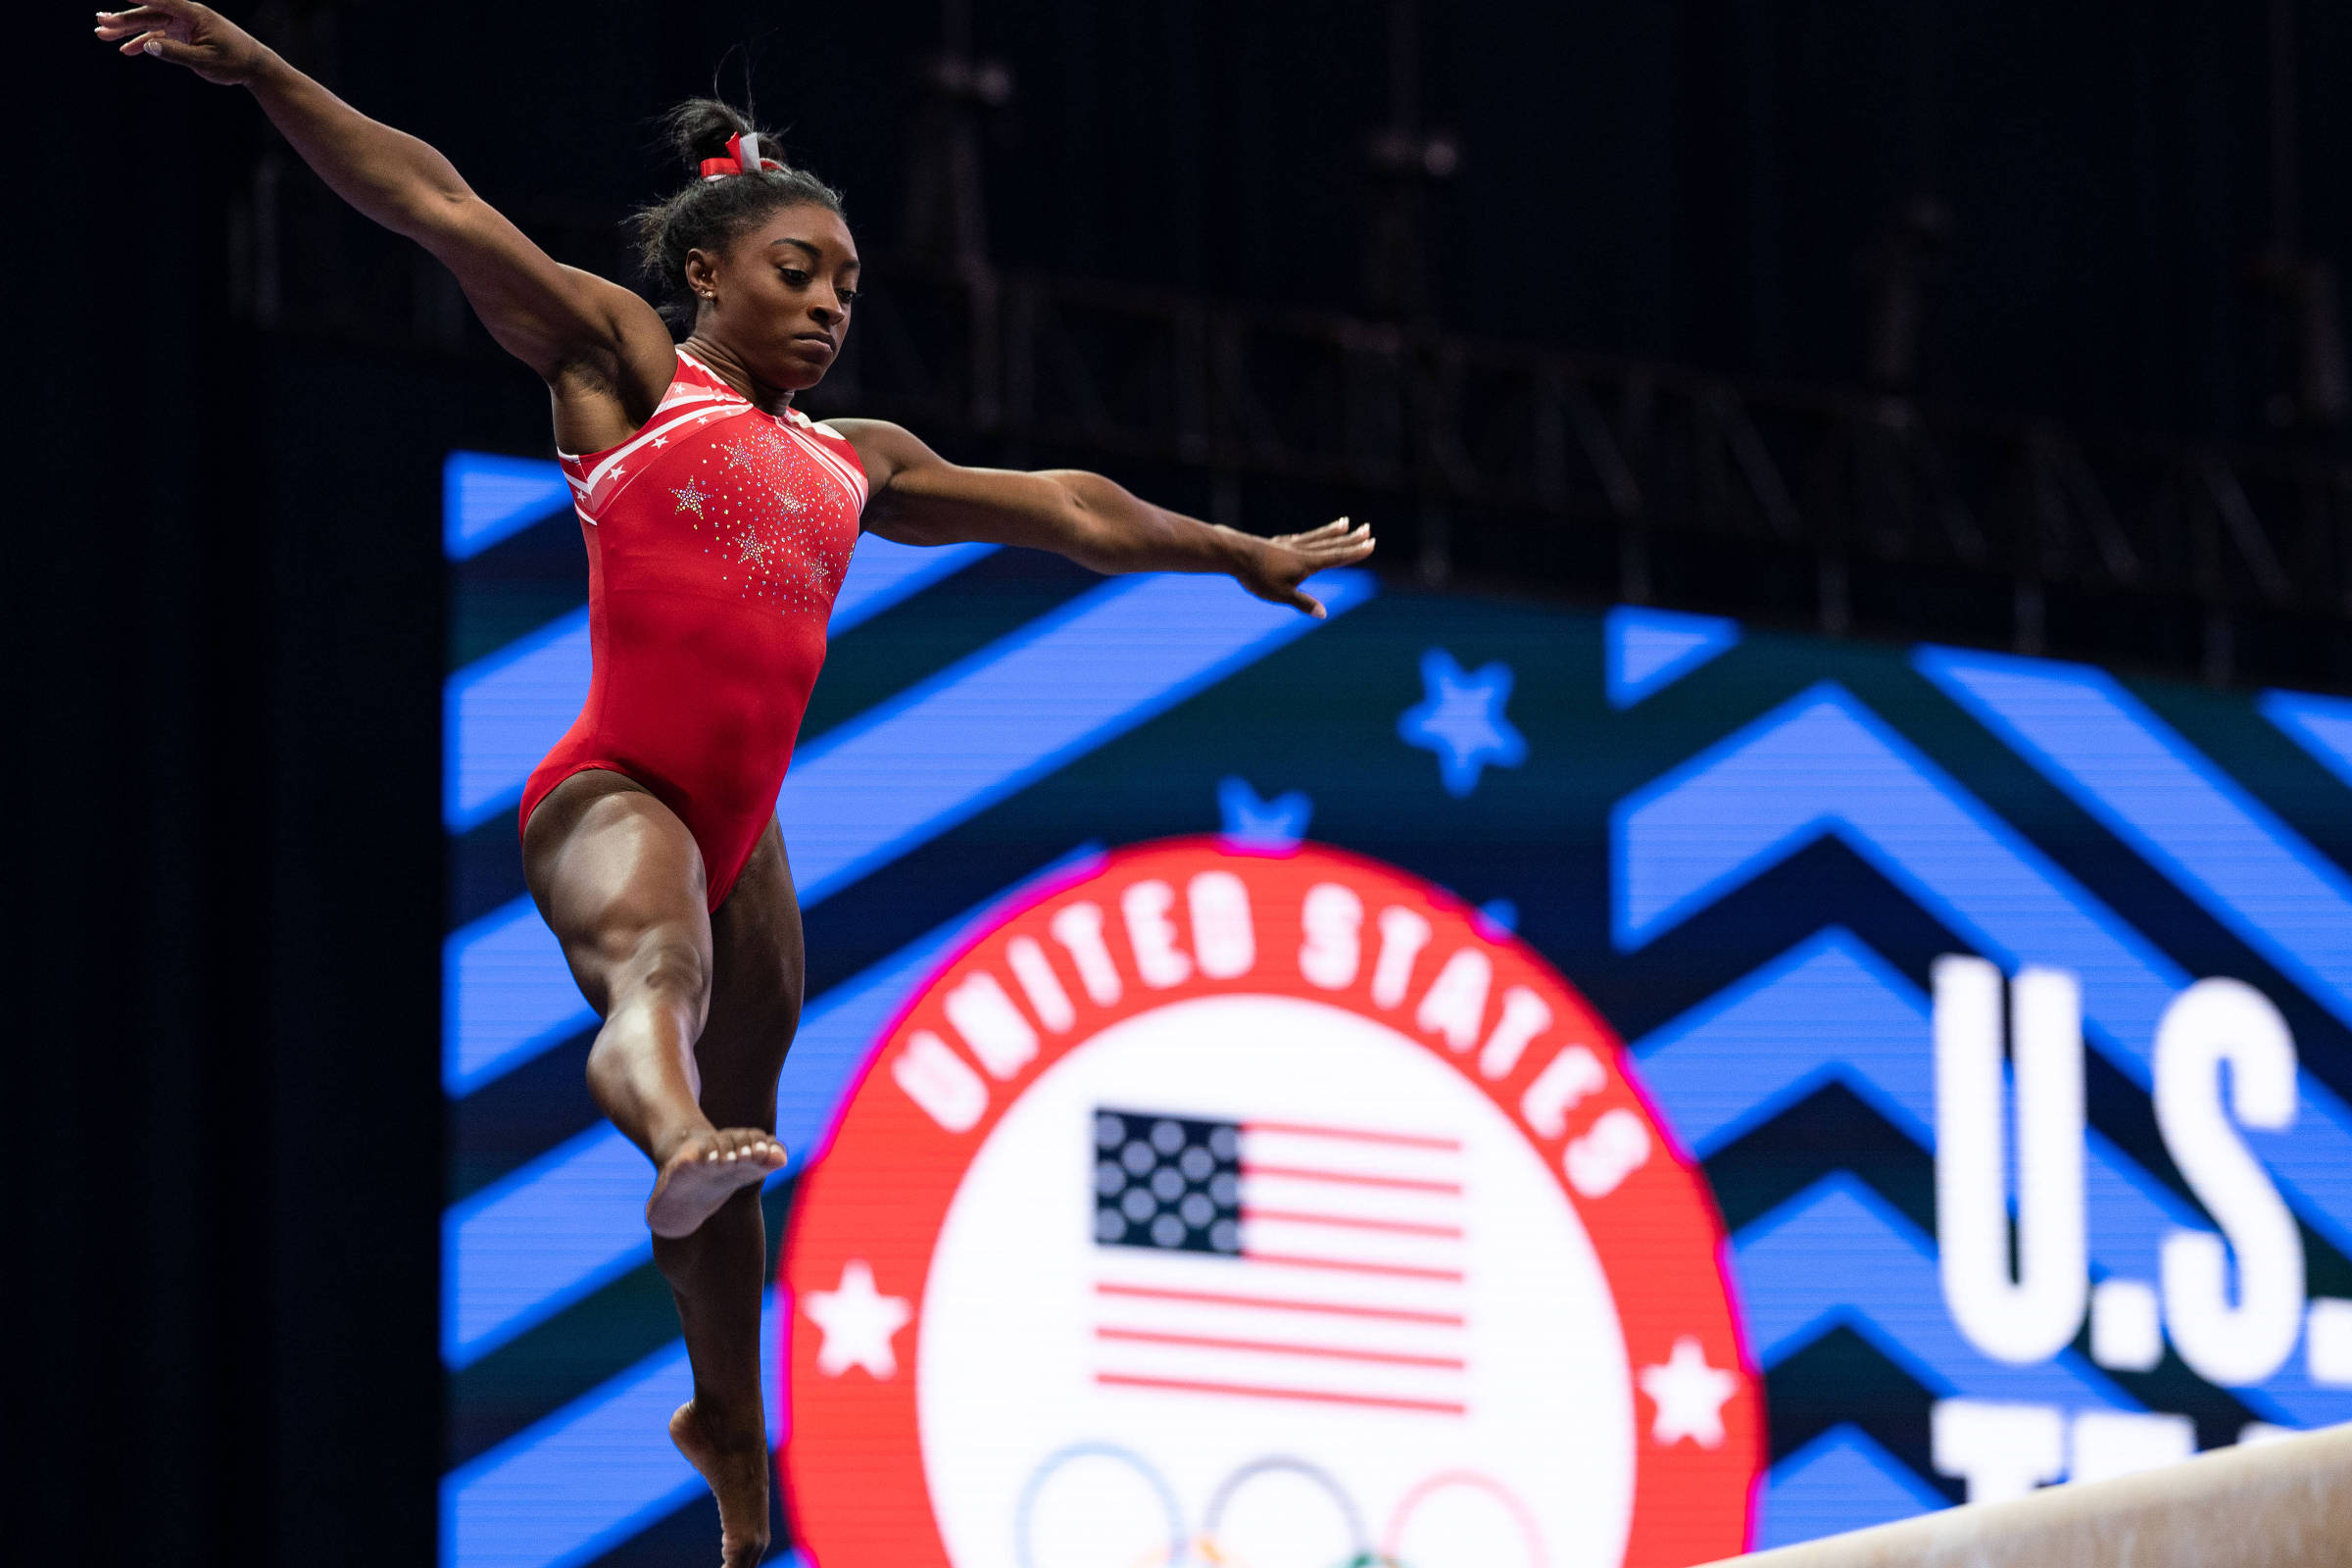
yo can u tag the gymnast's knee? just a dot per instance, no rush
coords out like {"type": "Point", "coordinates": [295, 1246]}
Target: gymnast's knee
{"type": "Point", "coordinates": [662, 967]}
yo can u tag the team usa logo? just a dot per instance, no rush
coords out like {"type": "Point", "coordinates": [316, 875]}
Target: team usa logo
{"type": "Point", "coordinates": [1223, 1209]}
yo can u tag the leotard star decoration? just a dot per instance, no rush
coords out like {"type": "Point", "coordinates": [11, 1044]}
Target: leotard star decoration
{"type": "Point", "coordinates": [858, 1322]}
{"type": "Point", "coordinates": [690, 499]}
{"type": "Point", "coordinates": [755, 549]}
{"type": "Point", "coordinates": [1460, 718]}
{"type": "Point", "coordinates": [1690, 1395]}
{"type": "Point", "coordinates": [738, 456]}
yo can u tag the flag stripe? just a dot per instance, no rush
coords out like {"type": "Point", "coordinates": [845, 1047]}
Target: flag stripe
{"type": "Point", "coordinates": [1452, 1276]}
{"type": "Point", "coordinates": [1262, 1235]}
{"type": "Point", "coordinates": [1405, 1184]}
{"type": "Point", "coordinates": [1351, 1155]}
{"type": "Point", "coordinates": [1262, 1194]}
{"type": "Point", "coordinates": [1394, 1314]}
{"type": "Point", "coordinates": [1208, 1341]}
{"type": "Point", "coordinates": [1245, 1390]}
{"type": "Point", "coordinates": [1354, 1222]}
{"type": "Point", "coordinates": [1266, 1327]}
{"type": "Point", "coordinates": [1354, 1135]}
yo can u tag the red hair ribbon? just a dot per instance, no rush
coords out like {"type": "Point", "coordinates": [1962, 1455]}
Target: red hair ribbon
{"type": "Point", "coordinates": [743, 155]}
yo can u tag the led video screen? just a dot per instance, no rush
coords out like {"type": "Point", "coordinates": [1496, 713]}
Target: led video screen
{"type": "Point", "coordinates": [1469, 1082]}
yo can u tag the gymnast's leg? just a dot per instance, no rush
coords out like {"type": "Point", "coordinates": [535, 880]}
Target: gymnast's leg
{"type": "Point", "coordinates": [718, 1273]}
{"type": "Point", "coordinates": [619, 881]}
{"type": "Point", "coordinates": [698, 1012]}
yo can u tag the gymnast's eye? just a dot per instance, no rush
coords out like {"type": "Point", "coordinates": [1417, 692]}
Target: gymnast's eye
{"type": "Point", "coordinates": [795, 276]}
{"type": "Point", "coordinates": [847, 295]}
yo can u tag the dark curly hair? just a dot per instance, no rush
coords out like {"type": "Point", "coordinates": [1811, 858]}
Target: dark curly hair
{"type": "Point", "coordinates": [710, 214]}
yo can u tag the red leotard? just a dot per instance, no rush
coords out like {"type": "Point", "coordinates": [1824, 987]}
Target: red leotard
{"type": "Point", "coordinates": [718, 536]}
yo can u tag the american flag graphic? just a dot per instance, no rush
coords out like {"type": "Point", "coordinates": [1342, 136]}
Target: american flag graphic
{"type": "Point", "coordinates": [1263, 1260]}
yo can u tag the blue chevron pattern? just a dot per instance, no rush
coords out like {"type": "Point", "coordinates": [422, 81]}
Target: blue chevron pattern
{"type": "Point", "coordinates": [2138, 777]}
{"type": "Point", "coordinates": [589, 1475]}
{"type": "Point", "coordinates": [1839, 1256]}
{"type": "Point", "coordinates": [1843, 1480]}
{"type": "Point", "coordinates": [1649, 649]}
{"type": "Point", "coordinates": [486, 497]}
{"type": "Point", "coordinates": [1790, 835]}
{"type": "Point", "coordinates": [1825, 764]}
{"type": "Point", "coordinates": [1833, 1011]}
{"type": "Point", "coordinates": [2323, 724]}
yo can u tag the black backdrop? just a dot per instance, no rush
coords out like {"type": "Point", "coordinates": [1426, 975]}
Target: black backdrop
{"type": "Point", "coordinates": [223, 873]}
{"type": "Point", "coordinates": [225, 619]}
{"type": "Point", "coordinates": [1691, 179]}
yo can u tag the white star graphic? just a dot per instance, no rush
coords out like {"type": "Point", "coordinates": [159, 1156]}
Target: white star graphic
{"type": "Point", "coordinates": [1690, 1395]}
{"type": "Point", "coordinates": [1460, 718]}
{"type": "Point", "coordinates": [858, 1322]}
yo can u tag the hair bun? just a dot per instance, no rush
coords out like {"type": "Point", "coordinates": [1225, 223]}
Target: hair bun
{"type": "Point", "coordinates": [710, 214]}
{"type": "Point", "coordinates": [700, 127]}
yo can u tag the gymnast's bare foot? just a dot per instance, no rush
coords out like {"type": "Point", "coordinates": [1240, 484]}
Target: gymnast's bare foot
{"type": "Point", "coordinates": [738, 1480]}
{"type": "Point", "coordinates": [704, 1172]}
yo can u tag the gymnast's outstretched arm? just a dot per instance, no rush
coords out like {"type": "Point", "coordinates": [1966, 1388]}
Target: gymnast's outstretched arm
{"type": "Point", "coordinates": [919, 498]}
{"type": "Point", "coordinates": [594, 342]}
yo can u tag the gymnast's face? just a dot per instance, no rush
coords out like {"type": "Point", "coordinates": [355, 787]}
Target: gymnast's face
{"type": "Point", "coordinates": [779, 297]}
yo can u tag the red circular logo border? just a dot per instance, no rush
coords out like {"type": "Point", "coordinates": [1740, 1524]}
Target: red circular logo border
{"type": "Point", "coordinates": [881, 1191]}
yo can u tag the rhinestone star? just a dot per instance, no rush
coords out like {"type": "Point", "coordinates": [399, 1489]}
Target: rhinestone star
{"type": "Point", "coordinates": [736, 456]}
{"type": "Point", "coordinates": [755, 549]}
{"type": "Point", "coordinates": [690, 499]}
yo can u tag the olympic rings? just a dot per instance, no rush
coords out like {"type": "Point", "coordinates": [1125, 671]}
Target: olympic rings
{"type": "Point", "coordinates": [1359, 1545]}
{"type": "Point", "coordinates": [1529, 1529]}
{"type": "Point", "coordinates": [1206, 1548]}
{"type": "Point", "coordinates": [1023, 1511]}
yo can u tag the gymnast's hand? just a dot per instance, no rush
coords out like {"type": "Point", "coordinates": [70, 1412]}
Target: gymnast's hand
{"type": "Point", "coordinates": [1275, 568]}
{"type": "Point", "coordinates": [191, 35]}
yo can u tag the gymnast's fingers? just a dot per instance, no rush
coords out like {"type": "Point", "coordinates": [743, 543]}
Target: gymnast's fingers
{"type": "Point", "coordinates": [138, 18]}
{"type": "Point", "coordinates": [1337, 526]}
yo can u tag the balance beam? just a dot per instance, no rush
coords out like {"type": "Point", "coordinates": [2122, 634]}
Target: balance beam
{"type": "Point", "coordinates": [2284, 1504]}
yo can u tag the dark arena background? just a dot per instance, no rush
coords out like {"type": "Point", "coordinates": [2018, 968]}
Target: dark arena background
{"type": "Point", "coordinates": [1781, 961]}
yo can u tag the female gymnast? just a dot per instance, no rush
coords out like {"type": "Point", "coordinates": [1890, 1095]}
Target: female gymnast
{"type": "Point", "coordinates": [718, 521]}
